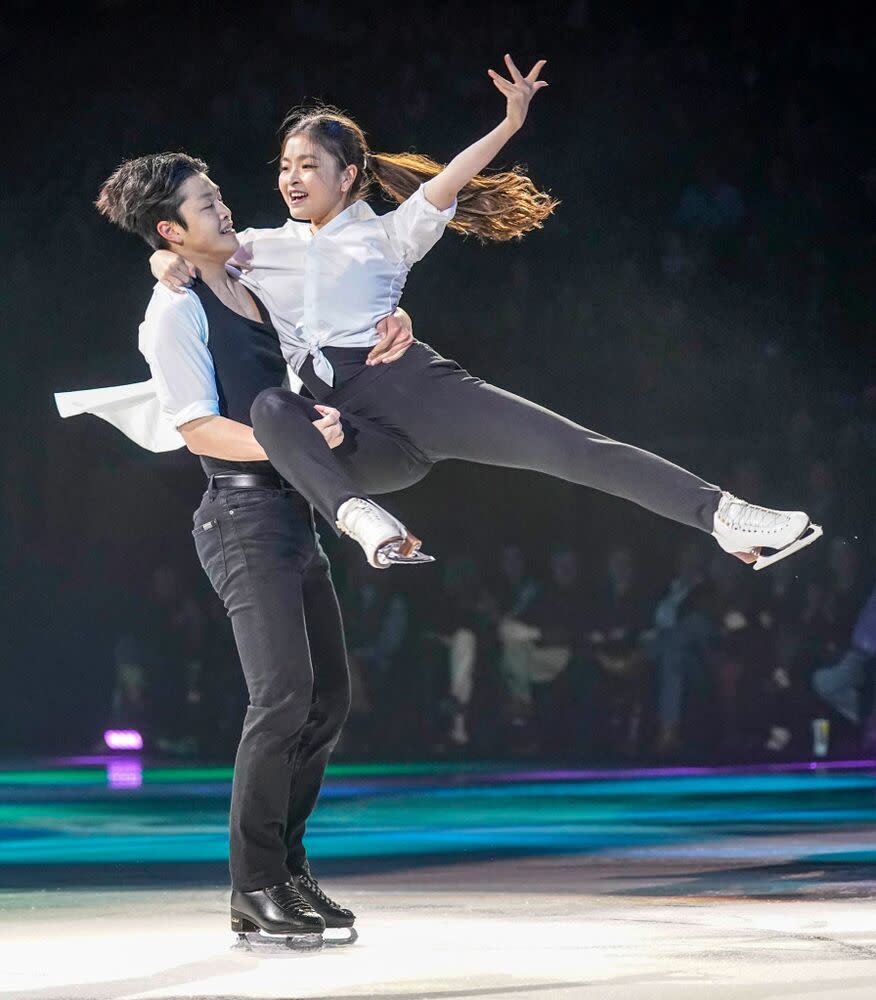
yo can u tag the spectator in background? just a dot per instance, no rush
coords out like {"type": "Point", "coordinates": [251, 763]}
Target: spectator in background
{"type": "Point", "coordinates": [781, 611]}
{"type": "Point", "coordinates": [812, 628]}
{"type": "Point", "coordinates": [538, 644]}
{"type": "Point", "coordinates": [460, 632]}
{"type": "Point", "coordinates": [618, 627]}
{"type": "Point", "coordinates": [743, 643]}
{"type": "Point", "coordinates": [686, 636]}
{"type": "Point", "coordinates": [172, 624]}
{"type": "Point", "coordinates": [159, 666]}
{"type": "Point", "coordinates": [841, 685]}
{"type": "Point", "coordinates": [376, 626]}
{"type": "Point", "coordinates": [513, 590]}
{"type": "Point", "coordinates": [129, 703]}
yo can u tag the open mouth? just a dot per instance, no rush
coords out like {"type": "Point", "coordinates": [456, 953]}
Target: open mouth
{"type": "Point", "coordinates": [296, 197]}
{"type": "Point", "coordinates": [225, 230]}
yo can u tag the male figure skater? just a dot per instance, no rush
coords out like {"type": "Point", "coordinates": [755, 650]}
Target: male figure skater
{"type": "Point", "coordinates": [211, 351]}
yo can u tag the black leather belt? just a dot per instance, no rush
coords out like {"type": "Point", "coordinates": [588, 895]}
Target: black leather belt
{"type": "Point", "coordinates": [245, 481]}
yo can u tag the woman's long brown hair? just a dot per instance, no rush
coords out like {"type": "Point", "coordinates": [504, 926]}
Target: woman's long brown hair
{"type": "Point", "coordinates": [500, 206]}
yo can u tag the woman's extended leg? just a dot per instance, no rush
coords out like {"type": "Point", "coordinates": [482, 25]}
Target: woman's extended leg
{"type": "Point", "coordinates": [446, 413]}
{"type": "Point", "coordinates": [469, 419]}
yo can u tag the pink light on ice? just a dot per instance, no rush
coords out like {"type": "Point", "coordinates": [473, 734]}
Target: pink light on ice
{"type": "Point", "coordinates": [123, 739]}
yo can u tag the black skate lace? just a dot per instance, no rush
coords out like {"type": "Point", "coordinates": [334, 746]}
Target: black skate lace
{"type": "Point", "coordinates": [287, 897]}
{"type": "Point", "coordinates": [313, 886]}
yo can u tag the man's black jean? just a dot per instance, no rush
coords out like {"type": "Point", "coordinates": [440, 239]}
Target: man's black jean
{"type": "Point", "coordinates": [263, 558]}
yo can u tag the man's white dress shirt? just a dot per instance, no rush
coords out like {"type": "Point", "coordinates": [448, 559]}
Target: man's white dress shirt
{"type": "Point", "coordinates": [331, 287]}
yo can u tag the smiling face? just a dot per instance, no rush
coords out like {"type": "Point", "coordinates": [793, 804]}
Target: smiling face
{"type": "Point", "coordinates": [313, 184]}
{"type": "Point", "coordinates": [208, 231]}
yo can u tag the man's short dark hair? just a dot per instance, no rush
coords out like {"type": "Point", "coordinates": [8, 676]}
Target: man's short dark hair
{"type": "Point", "coordinates": [145, 191]}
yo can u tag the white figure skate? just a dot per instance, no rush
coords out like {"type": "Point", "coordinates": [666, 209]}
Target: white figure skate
{"type": "Point", "coordinates": [384, 539]}
{"type": "Point", "coordinates": [746, 528]}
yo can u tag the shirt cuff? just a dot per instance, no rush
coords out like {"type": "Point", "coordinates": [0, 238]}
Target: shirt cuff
{"type": "Point", "coordinates": [202, 408]}
{"type": "Point", "coordinates": [430, 209]}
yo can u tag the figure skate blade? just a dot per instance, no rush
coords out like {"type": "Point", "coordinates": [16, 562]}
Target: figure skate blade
{"type": "Point", "coordinates": [276, 944]}
{"type": "Point", "coordinates": [340, 937]}
{"type": "Point", "coordinates": [810, 535]}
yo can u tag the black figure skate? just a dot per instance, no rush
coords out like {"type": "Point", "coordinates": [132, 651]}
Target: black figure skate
{"type": "Point", "coordinates": [277, 918]}
{"type": "Point", "coordinates": [339, 929]}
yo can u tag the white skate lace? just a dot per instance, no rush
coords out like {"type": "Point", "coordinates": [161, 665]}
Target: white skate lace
{"type": "Point", "coordinates": [748, 517]}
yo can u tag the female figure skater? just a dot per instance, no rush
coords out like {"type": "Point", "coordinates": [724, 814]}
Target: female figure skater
{"type": "Point", "coordinates": [329, 273]}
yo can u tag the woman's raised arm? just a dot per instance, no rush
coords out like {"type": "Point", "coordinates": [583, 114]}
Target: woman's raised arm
{"type": "Point", "coordinates": [519, 91]}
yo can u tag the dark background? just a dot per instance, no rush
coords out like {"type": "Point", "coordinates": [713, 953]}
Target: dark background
{"type": "Point", "coordinates": [739, 344]}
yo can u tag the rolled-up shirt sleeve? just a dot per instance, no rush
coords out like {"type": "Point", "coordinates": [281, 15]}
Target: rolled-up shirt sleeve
{"type": "Point", "coordinates": [416, 226]}
{"type": "Point", "coordinates": [173, 339]}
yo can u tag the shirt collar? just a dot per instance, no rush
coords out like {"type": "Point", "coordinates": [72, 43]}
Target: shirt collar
{"type": "Point", "coordinates": [358, 211]}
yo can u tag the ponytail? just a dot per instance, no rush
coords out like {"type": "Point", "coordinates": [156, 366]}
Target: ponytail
{"type": "Point", "coordinates": [499, 207]}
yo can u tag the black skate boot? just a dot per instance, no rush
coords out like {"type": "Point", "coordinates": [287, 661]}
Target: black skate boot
{"type": "Point", "coordinates": [276, 917]}
{"type": "Point", "coordinates": [338, 920]}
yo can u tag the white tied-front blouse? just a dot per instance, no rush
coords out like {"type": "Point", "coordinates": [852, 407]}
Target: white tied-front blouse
{"type": "Point", "coordinates": [331, 287]}
{"type": "Point", "coordinates": [335, 285]}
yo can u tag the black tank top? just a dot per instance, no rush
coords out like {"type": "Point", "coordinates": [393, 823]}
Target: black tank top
{"type": "Point", "coordinates": [247, 358]}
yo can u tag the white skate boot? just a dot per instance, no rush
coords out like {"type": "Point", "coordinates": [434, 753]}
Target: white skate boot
{"type": "Point", "coordinates": [385, 540]}
{"type": "Point", "coordinates": [742, 527]}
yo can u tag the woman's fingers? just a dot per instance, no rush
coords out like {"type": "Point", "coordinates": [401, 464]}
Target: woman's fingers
{"type": "Point", "coordinates": [393, 355]}
{"type": "Point", "coordinates": [516, 75]}
{"type": "Point", "coordinates": [503, 85]}
{"type": "Point", "coordinates": [532, 76]}
{"type": "Point", "coordinates": [519, 83]}
{"type": "Point", "coordinates": [329, 425]}
{"type": "Point", "coordinates": [180, 276]}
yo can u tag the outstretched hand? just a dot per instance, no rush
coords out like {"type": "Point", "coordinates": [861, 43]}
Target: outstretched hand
{"type": "Point", "coordinates": [519, 90]}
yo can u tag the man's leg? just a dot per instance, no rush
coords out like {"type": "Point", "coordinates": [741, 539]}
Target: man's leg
{"type": "Point", "coordinates": [331, 702]}
{"type": "Point", "coordinates": [329, 706]}
{"type": "Point", "coordinates": [253, 546]}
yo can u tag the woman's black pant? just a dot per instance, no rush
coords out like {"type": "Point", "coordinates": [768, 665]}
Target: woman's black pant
{"type": "Point", "coordinates": [402, 418]}
{"type": "Point", "coordinates": [262, 556]}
